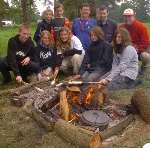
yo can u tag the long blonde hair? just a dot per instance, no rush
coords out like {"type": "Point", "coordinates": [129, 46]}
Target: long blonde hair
{"type": "Point", "coordinates": [45, 32]}
{"type": "Point", "coordinates": [63, 46]}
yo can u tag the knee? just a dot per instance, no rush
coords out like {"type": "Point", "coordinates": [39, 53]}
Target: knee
{"type": "Point", "coordinates": [77, 58]}
{"type": "Point", "coordinates": [145, 56]}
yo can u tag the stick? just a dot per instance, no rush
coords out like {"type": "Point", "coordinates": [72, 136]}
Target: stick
{"type": "Point", "coordinates": [37, 88]}
{"type": "Point", "coordinates": [55, 76]}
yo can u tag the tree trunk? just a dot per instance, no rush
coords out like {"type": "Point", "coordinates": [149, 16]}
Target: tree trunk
{"type": "Point", "coordinates": [25, 15]}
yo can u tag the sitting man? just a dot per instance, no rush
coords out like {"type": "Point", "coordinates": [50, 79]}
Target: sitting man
{"type": "Point", "coordinates": [20, 57]}
{"type": "Point", "coordinates": [140, 37]}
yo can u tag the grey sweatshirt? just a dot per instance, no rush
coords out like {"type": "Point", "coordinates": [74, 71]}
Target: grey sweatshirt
{"type": "Point", "coordinates": [125, 64]}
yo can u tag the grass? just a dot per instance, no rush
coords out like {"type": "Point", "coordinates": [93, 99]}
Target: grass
{"type": "Point", "coordinates": [19, 131]}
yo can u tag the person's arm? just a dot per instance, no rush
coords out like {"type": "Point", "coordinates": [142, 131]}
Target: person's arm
{"type": "Point", "coordinates": [144, 42]}
{"type": "Point", "coordinates": [11, 57]}
{"type": "Point", "coordinates": [125, 59]}
{"type": "Point", "coordinates": [37, 34]}
{"type": "Point", "coordinates": [107, 57]}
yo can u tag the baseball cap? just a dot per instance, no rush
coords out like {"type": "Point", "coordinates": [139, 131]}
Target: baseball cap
{"type": "Point", "coordinates": [128, 12]}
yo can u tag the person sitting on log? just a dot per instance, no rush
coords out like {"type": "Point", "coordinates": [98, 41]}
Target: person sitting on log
{"type": "Point", "coordinates": [70, 52]}
{"type": "Point", "coordinates": [20, 57]}
{"type": "Point", "coordinates": [59, 20]}
{"type": "Point", "coordinates": [45, 24]}
{"type": "Point", "coordinates": [99, 57]}
{"type": "Point", "coordinates": [46, 55]}
{"type": "Point", "coordinates": [125, 63]}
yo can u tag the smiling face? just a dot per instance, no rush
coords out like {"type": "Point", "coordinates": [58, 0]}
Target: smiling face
{"type": "Point", "coordinates": [85, 12]}
{"type": "Point", "coordinates": [118, 39]}
{"type": "Point", "coordinates": [45, 39]}
{"type": "Point", "coordinates": [24, 34]}
{"type": "Point", "coordinates": [94, 38]}
{"type": "Point", "coordinates": [59, 12]}
{"type": "Point", "coordinates": [48, 16]}
{"type": "Point", "coordinates": [102, 14]}
{"type": "Point", "coordinates": [64, 36]}
{"type": "Point", "coordinates": [129, 19]}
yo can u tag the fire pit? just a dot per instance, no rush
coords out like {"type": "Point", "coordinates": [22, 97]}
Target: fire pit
{"type": "Point", "coordinates": [78, 113]}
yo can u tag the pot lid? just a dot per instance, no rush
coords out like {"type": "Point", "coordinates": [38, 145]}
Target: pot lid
{"type": "Point", "coordinates": [95, 118]}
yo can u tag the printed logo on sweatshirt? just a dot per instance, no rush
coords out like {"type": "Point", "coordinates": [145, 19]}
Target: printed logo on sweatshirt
{"type": "Point", "coordinates": [20, 53]}
{"type": "Point", "coordinates": [44, 55]}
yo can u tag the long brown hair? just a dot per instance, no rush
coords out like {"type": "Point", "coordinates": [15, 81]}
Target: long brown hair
{"type": "Point", "coordinates": [98, 32]}
{"type": "Point", "coordinates": [126, 40]}
{"type": "Point", "coordinates": [60, 45]}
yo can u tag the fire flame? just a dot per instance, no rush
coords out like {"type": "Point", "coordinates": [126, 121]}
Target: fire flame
{"type": "Point", "coordinates": [89, 96]}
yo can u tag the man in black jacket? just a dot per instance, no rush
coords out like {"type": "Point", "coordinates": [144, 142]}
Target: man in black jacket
{"type": "Point", "coordinates": [20, 57]}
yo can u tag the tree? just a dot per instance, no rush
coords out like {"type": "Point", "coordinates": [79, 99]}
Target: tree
{"type": "Point", "coordinates": [4, 7]}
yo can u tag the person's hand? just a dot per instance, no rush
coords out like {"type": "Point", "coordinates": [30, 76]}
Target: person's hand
{"type": "Point", "coordinates": [88, 66]}
{"type": "Point", "coordinates": [25, 61]}
{"type": "Point", "coordinates": [76, 77]}
{"type": "Point", "coordinates": [19, 79]}
{"type": "Point", "coordinates": [104, 82]}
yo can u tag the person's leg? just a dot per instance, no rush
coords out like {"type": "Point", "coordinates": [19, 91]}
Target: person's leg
{"type": "Point", "coordinates": [145, 59]}
{"type": "Point", "coordinates": [4, 69]}
{"type": "Point", "coordinates": [121, 82]}
{"type": "Point", "coordinates": [95, 75]}
{"type": "Point", "coordinates": [32, 68]}
{"type": "Point", "coordinates": [76, 61]}
{"type": "Point", "coordinates": [66, 63]}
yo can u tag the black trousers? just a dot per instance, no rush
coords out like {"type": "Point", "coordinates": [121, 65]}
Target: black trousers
{"type": "Point", "coordinates": [25, 71]}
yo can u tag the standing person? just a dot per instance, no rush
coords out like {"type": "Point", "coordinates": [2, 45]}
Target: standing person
{"type": "Point", "coordinates": [139, 35]}
{"type": "Point", "coordinates": [125, 63]}
{"type": "Point", "coordinates": [99, 56]}
{"type": "Point", "coordinates": [81, 26]}
{"type": "Point", "coordinates": [108, 26]}
{"type": "Point", "coordinates": [46, 55]}
{"type": "Point", "coordinates": [46, 24]}
{"type": "Point", "coordinates": [59, 20]}
{"type": "Point", "coordinates": [69, 50]}
{"type": "Point", "coordinates": [20, 58]}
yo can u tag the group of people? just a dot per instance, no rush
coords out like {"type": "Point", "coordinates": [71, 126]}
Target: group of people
{"type": "Point", "coordinates": [96, 49]}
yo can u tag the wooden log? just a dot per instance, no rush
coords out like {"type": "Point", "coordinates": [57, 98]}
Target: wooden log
{"type": "Point", "coordinates": [141, 101]}
{"type": "Point", "coordinates": [48, 124]}
{"type": "Point", "coordinates": [64, 106]}
{"type": "Point", "coordinates": [118, 128]}
{"type": "Point", "coordinates": [96, 141]}
{"type": "Point", "coordinates": [73, 134]}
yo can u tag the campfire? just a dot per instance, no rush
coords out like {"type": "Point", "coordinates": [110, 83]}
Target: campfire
{"type": "Point", "coordinates": [74, 107]}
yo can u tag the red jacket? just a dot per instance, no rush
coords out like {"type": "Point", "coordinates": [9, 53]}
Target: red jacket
{"type": "Point", "coordinates": [139, 35]}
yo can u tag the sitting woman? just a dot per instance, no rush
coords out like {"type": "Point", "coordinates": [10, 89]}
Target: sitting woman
{"type": "Point", "coordinates": [46, 56]}
{"type": "Point", "coordinates": [45, 24]}
{"type": "Point", "coordinates": [125, 63]}
{"type": "Point", "coordinates": [98, 60]}
{"type": "Point", "coordinates": [70, 52]}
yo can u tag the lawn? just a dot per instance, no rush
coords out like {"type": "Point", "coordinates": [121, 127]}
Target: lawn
{"type": "Point", "coordinates": [17, 130]}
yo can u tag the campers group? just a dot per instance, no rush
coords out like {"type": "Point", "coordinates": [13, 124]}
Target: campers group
{"type": "Point", "coordinates": [91, 49]}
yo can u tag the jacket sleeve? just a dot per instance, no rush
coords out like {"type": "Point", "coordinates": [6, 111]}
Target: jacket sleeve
{"type": "Point", "coordinates": [107, 57]}
{"type": "Point", "coordinates": [32, 52]}
{"type": "Point", "coordinates": [144, 42]}
{"type": "Point", "coordinates": [11, 57]}
{"type": "Point", "coordinates": [37, 34]}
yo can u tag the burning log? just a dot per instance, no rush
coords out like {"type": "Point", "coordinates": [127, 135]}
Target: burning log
{"type": "Point", "coordinates": [64, 106]}
{"type": "Point", "coordinates": [73, 134]}
{"type": "Point", "coordinates": [96, 141]}
{"type": "Point", "coordinates": [141, 101]}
